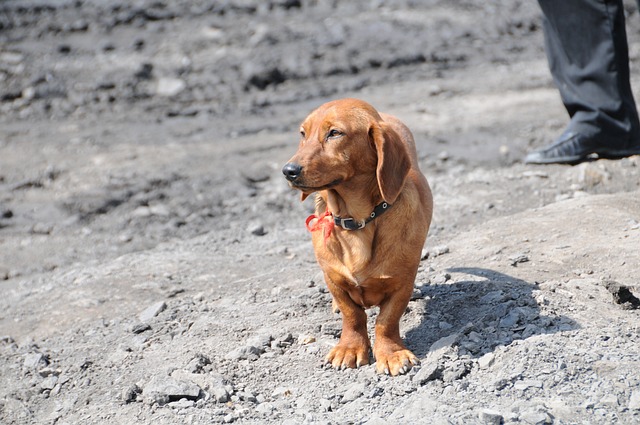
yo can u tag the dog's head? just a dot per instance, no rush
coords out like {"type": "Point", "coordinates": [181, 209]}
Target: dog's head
{"type": "Point", "coordinates": [344, 139]}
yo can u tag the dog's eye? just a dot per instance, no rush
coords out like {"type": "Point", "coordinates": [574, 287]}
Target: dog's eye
{"type": "Point", "coordinates": [334, 133]}
{"type": "Point", "coordinates": [302, 134]}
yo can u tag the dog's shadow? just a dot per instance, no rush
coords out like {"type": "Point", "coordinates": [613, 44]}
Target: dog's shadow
{"type": "Point", "coordinates": [483, 314]}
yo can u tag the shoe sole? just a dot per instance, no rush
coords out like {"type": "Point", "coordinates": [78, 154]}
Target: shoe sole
{"type": "Point", "coordinates": [577, 159]}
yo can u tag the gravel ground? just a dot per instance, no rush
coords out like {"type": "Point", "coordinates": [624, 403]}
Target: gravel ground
{"type": "Point", "coordinates": [155, 267]}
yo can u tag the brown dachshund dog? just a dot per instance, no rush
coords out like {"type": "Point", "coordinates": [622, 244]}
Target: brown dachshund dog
{"type": "Point", "coordinates": [372, 213]}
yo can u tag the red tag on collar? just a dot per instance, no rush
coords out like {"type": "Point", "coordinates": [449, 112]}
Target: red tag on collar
{"type": "Point", "coordinates": [321, 223]}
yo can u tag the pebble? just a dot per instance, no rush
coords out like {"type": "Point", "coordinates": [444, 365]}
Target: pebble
{"type": "Point", "coordinates": [41, 229]}
{"type": "Point", "coordinates": [280, 392]}
{"type": "Point", "coordinates": [198, 363]}
{"type": "Point", "coordinates": [170, 86]}
{"type": "Point", "coordinates": [152, 311]}
{"type": "Point", "coordinates": [164, 389]}
{"type": "Point", "coordinates": [634, 400]}
{"type": "Point", "coordinates": [490, 417]}
{"type": "Point", "coordinates": [353, 392]}
{"type": "Point", "coordinates": [590, 175]}
{"type": "Point", "coordinates": [435, 251]}
{"type": "Point", "coordinates": [49, 383]}
{"type": "Point", "coordinates": [130, 394]}
{"type": "Point", "coordinates": [265, 408]}
{"type": "Point", "coordinates": [511, 319]}
{"type": "Point", "coordinates": [242, 353]}
{"type": "Point", "coordinates": [492, 297]}
{"type": "Point", "coordinates": [486, 360]}
{"type": "Point", "coordinates": [526, 384]}
{"type": "Point", "coordinates": [441, 279]}
{"type": "Point", "coordinates": [456, 371]}
{"type": "Point", "coordinates": [441, 347]}
{"type": "Point", "coordinates": [306, 339]}
{"type": "Point", "coordinates": [256, 228]}
{"type": "Point", "coordinates": [536, 417]}
{"type": "Point", "coordinates": [183, 403]}
{"type": "Point", "coordinates": [33, 360]}
{"type": "Point", "coordinates": [609, 401]}
{"type": "Point", "coordinates": [219, 393]}
{"type": "Point", "coordinates": [516, 259]}
{"type": "Point", "coordinates": [256, 173]}
{"type": "Point", "coordinates": [417, 294]}
{"type": "Point", "coordinates": [427, 372]}
{"type": "Point", "coordinates": [260, 341]}
{"type": "Point", "coordinates": [140, 327]}
{"type": "Point", "coordinates": [325, 405]}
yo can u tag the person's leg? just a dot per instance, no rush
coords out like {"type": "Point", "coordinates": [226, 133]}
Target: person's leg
{"type": "Point", "coordinates": [586, 46]}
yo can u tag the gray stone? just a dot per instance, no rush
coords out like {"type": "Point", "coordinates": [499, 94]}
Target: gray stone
{"type": "Point", "coordinates": [33, 360]}
{"type": "Point", "coordinates": [516, 259]}
{"type": "Point", "coordinates": [325, 405]}
{"type": "Point", "coordinates": [260, 341]}
{"type": "Point", "coordinates": [456, 371]}
{"type": "Point", "coordinates": [486, 360]}
{"type": "Point", "coordinates": [265, 408]}
{"type": "Point", "coordinates": [428, 372]}
{"type": "Point", "coordinates": [219, 393]}
{"type": "Point", "coordinates": [526, 384]}
{"type": "Point", "coordinates": [140, 327]}
{"type": "Point", "coordinates": [164, 389]}
{"type": "Point", "coordinates": [490, 417]}
{"type": "Point", "coordinates": [183, 403]}
{"type": "Point", "coordinates": [256, 228]}
{"type": "Point", "coordinates": [590, 175]}
{"type": "Point", "coordinates": [441, 279]}
{"type": "Point", "coordinates": [634, 400]}
{"type": "Point", "coordinates": [243, 353]}
{"type": "Point", "coordinates": [511, 319]}
{"type": "Point", "coordinates": [257, 173]}
{"type": "Point", "coordinates": [169, 86]}
{"type": "Point", "coordinates": [152, 311]}
{"type": "Point", "coordinates": [609, 401]}
{"type": "Point", "coordinates": [536, 417]}
{"type": "Point", "coordinates": [130, 394]}
{"type": "Point", "coordinates": [49, 383]}
{"type": "Point", "coordinates": [492, 297]}
{"type": "Point", "coordinates": [530, 330]}
{"type": "Point", "coordinates": [417, 294]}
{"type": "Point", "coordinates": [352, 393]}
{"type": "Point", "coordinates": [280, 392]}
{"type": "Point", "coordinates": [198, 363]}
{"type": "Point", "coordinates": [441, 347]}
{"type": "Point", "coordinates": [435, 252]}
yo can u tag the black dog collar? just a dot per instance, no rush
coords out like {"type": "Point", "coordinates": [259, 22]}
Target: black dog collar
{"type": "Point", "coordinates": [352, 224]}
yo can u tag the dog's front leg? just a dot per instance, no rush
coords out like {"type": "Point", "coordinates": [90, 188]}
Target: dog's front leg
{"type": "Point", "coordinates": [353, 348]}
{"type": "Point", "coordinates": [392, 357]}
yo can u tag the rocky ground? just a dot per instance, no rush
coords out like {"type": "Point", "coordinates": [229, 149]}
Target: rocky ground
{"type": "Point", "coordinates": [154, 265]}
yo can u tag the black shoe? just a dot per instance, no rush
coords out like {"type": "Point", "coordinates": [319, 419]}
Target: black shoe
{"type": "Point", "coordinates": [573, 148]}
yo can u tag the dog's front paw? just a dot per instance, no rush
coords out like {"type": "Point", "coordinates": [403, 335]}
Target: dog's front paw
{"type": "Point", "coordinates": [395, 362]}
{"type": "Point", "coordinates": [343, 356]}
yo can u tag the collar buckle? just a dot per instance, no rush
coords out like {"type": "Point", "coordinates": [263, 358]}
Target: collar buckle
{"type": "Point", "coordinates": [352, 224]}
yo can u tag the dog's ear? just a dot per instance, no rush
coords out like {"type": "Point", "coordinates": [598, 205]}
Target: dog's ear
{"type": "Point", "coordinates": [393, 160]}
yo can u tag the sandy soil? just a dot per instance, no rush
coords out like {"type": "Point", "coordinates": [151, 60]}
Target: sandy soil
{"type": "Point", "coordinates": [154, 265]}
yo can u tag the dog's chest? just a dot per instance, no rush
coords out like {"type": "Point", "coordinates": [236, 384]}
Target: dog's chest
{"type": "Point", "coordinates": [347, 254]}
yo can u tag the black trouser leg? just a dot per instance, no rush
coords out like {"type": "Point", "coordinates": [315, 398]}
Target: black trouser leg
{"type": "Point", "coordinates": [586, 45]}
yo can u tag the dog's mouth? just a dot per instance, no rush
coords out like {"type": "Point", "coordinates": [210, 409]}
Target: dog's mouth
{"type": "Point", "coordinates": [310, 189]}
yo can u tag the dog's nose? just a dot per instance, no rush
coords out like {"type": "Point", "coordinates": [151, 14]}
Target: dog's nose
{"type": "Point", "coordinates": [291, 171]}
